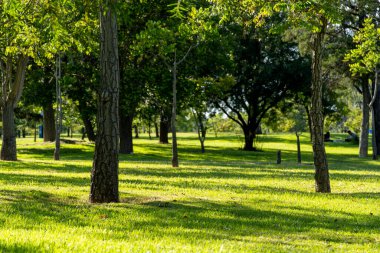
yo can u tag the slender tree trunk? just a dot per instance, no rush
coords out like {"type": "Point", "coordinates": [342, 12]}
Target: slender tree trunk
{"type": "Point", "coordinates": [149, 129]}
{"type": "Point", "coordinates": [164, 130]}
{"type": "Point", "coordinates": [35, 132]}
{"type": "Point", "coordinates": [298, 148]}
{"type": "Point", "coordinates": [363, 145]}
{"type": "Point", "coordinates": [201, 129]}
{"type": "Point", "coordinates": [322, 178]}
{"type": "Point", "coordinates": [126, 140]}
{"type": "Point", "coordinates": [175, 162]}
{"type": "Point", "coordinates": [104, 174]}
{"type": "Point", "coordinates": [309, 121]}
{"type": "Point", "coordinates": [49, 123]}
{"type": "Point", "coordinates": [136, 131]}
{"type": "Point", "coordinates": [58, 126]}
{"type": "Point", "coordinates": [156, 129]}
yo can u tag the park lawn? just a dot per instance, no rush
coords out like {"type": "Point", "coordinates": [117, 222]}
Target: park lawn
{"type": "Point", "coordinates": [225, 200]}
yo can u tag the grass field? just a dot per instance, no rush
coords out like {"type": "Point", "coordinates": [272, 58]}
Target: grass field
{"type": "Point", "coordinates": [225, 200]}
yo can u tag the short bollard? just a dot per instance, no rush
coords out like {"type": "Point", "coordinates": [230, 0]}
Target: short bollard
{"type": "Point", "coordinates": [279, 157]}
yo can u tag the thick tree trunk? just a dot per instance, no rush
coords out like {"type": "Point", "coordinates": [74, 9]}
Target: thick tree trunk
{"type": "Point", "coordinates": [49, 123]}
{"type": "Point", "coordinates": [164, 130]}
{"type": "Point", "coordinates": [175, 162]}
{"type": "Point", "coordinates": [104, 174]}
{"type": "Point", "coordinates": [322, 178]}
{"type": "Point", "coordinates": [249, 137]}
{"type": "Point", "coordinates": [8, 148]}
{"type": "Point", "coordinates": [376, 114]}
{"type": "Point", "coordinates": [126, 140]}
{"type": "Point", "coordinates": [89, 128]}
{"type": "Point", "coordinates": [363, 145]}
{"type": "Point", "coordinates": [12, 86]}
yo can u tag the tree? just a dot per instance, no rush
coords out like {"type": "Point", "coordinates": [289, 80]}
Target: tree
{"type": "Point", "coordinates": [172, 41]}
{"type": "Point", "coordinates": [265, 71]}
{"type": "Point", "coordinates": [311, 16]}
{"type": "Point", "coordinates": [364, 60]}
{"type": "Point", "coordinates": [104, 174]}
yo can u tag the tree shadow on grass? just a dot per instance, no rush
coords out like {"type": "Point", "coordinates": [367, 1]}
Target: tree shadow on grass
{"type": "Point", "coordinates": [68, 152]}
{"type": "Point", "coordinates": [195, 218]}
{"type": "Point", "coordinates": [10, 248]}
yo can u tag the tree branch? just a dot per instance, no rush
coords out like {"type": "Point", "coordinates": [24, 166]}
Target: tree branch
{"type": "Point", "coordinates": [187, 53]}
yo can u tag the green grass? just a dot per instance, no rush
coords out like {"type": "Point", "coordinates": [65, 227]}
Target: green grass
{"type": "Point", "coordinates": [226, 200]}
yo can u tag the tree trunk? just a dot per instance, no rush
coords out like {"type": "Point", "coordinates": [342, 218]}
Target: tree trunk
{"type": "Point", "coordinates": [175, 162]}
{"type": "Point", "coordinates": [164, 130]}
{"type": "Point", "coordinates": [136, 131]}
{"type": "Point", "coordinates": [35, 132]}
{"type": "Point", "coordinates": [201, 129]}
{"type": "Point", "coordinates": [149, 130]}
{"type": "Point", "coordinates": [58, 126]}
{"type": "Point", "coordinates": [8, 148]}
{"type": "Point", "coordinates": [363, 145]}
{"type": "Point", "coordinates": [309, 121]}
{"type": "Point", "coordinates": [49, 123]}
{"type": "Point", "coordinates": [376, 114]}
{"type": "Point", "coordinates": [298, 148]}
{"type": "Point", "coordinates": [12, 86]}
{"type": "Point", "coordinates": [249, 137]}
{"type": "Point", "coordinates": [104, 174]}
{"type": "Point", "coordinates": [322, 178]}
{"type": "Point", "coordinates": [156, 128]}
{"type": "Point", "coordinates": [89, 128]}
{"type": "Point", "coordinates": [126, 140]}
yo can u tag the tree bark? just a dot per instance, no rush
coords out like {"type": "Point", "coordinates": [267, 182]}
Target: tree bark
{"type": "Point", "coordinates": [35, 132]}
{"type": "Point", "coordinates": [376, 114]}
{"type": "Point", "coordinates": [363, 144]}
{"type": "Point", "coordinates": [58, 126]}
{"type": "Point", "coordinates": [156, 129]}
{"type": "Point", "coordinates": [298, 148]}
{"type": "Point", "coordinates": [322, 178]}
{"type": "Point", "coordinates": [49, 123]}
{"type": "Point", "coordinates": [89, 128]}
{"type": "Point", "coordinates": [374, 105]}
{"type": "Point", "coordinates": [164, 130]}
{"type": "Point", "coordinates": [104, 174]}
{"type": "Point", "coordinates": [136, 131]}
{"type": "Point", "coordinates": [126, 140]}
{"type": "Point", "coordinates": [12, 87]}
{"type": "Point", "coordinates": [249, 137]}
{"type": "Point", "coordinates": [309, 121]}
{"type": "Point", "coordinates": [175, 162]}
{"type": "Point", "coordinates": [8, 149]}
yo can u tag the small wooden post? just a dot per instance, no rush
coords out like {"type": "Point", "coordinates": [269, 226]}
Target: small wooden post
{"type": "Point", "coordinates": [279, 157]}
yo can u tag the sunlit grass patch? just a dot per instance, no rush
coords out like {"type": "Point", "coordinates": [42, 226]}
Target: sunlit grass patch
{"type": "Point", "coordinates": [226, 200]}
